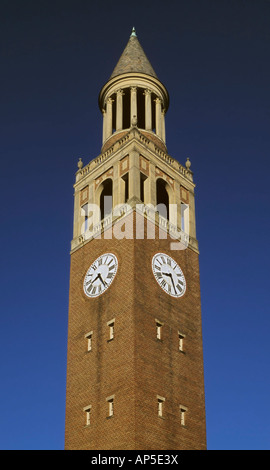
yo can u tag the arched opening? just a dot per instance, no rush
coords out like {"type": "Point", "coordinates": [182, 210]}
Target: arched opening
{"type": "Point", "coordinates": [143, 178]}
{"type": "Point", "coordinates": [106, 199]}
{"type": "Point", "coordinates": [162, 198]}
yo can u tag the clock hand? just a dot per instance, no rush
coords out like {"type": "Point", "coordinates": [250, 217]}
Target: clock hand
{"type": "Point", "coordinates": [173, 284]}
{"type": "Point", "coordinates": [105, 285]}
{"type": "Point", "coordinates": [170, 275]}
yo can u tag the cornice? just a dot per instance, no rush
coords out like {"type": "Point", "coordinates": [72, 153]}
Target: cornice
{"type": "Point", "coordinates": [131, 79]}
{"type": "Point", "coordinates": [127, 208]}
{"type": "Point", "coordinates": [134, 135]}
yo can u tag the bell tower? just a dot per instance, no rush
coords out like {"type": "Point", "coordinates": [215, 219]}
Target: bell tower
{"type": "Point", "coordinates": [135, 359]}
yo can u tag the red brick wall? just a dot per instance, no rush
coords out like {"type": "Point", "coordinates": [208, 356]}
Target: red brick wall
{"type": "Point", "coordinates": [134, 366]}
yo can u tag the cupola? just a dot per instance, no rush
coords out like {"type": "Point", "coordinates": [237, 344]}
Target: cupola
{"type": "Point", "coordinates": [133, 96]}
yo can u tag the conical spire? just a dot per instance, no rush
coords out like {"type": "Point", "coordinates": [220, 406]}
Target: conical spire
{"type": "Point", "coordinates": [133, 59]}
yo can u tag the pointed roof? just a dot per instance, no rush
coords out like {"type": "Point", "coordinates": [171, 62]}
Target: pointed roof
{"type": "Point", "coordinates": [133, 59]}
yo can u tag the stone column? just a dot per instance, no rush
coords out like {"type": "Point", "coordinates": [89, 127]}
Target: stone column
{"type": "Point", "coordinates": [148, 110]}
{"type": "Point", "coordinates": [77, 215]}
{"type": "Point", "coordinates": [163, 134]}
{"type": "Point", "coordinates": [116, 182]}
{"type": "Point", "coordinates": [150, 186]}
{"type": "Point", "coordinates": [133, 105]}
{"type": "Point", "coordinates": [121, 191]}
{"type": "Point", "coordinates": [175, 213]}
{"type": "Point", "coordinates": [158, 116]}
{"type": "Point", "coordinates": [192, 221]}
{"type": "Point", "coordinates": [104, 126]}
{"type": "Point", "coordinates": [134, 175]}
{"type": "Point", "coordinates": [109, 118]}
{"type": "Point", "coordinates": [119, 110]}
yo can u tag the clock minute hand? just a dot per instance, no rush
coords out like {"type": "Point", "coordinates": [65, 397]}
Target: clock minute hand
{"type": "Point", "coordinates": [173, 284]}
{"type": "Point", "coordinates": [170, 275]}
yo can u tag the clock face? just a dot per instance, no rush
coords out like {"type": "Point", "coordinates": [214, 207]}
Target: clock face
{"type": "Point", "coordinates": [169, 275]}
{"type": "Point", "coordinates": [100, 275]}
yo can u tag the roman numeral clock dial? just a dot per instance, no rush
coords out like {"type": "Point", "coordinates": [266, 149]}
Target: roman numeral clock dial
{"type": "Point", "coordinates": [168, 275]}
{"type": "Point", "coordinates": [100, 275]}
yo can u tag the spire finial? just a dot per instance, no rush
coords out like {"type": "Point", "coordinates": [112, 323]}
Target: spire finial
{"type": "Point", "coordinates": [133, 32]}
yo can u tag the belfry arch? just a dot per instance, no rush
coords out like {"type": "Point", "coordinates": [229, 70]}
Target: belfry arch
{"type": "Point", "coordinates": [163, 199]}
{"type": "Point", "coordinates": [105, 198]}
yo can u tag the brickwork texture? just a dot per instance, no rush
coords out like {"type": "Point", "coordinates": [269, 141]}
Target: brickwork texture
{"type": "Point", "coordinates": [135, 367]}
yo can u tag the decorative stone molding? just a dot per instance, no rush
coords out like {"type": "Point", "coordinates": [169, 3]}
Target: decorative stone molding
{"type": "Point", "coordinates": [160, 174]}
{"type": "Point", "coordinates": [103, 177]}
{"type": "Point", "coordinates": [120, 92]}
{"type": "Point", "coordinates": [147, 92]}
{"type": "Point", "coordinates": [82, 172]}
{"type": "Point", "coordinates": [124, 165]}
{"type": "Point", "coordinates": [84, 195]}
{"type": "Point", "coordinates": [144, 165]}
{"type": "Point", "coordinates": [184, 195]}
{"type": "Point", "coordinates": [163, 224]}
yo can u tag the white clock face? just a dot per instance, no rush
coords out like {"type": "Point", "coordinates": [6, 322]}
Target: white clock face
{"type": "Point", "coordinates": [100, 275]}
{"type": "Point", "coordinates": [169, 275]}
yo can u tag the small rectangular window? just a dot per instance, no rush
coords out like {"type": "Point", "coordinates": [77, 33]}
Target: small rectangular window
{"type": "Point", "coordinates": [160, 406]}
{"type": "Point", "coordinates": [88, 337]}
{"type": "Point", "coordinates": [181, 341]}
{"type": "Point", "coordinates": [159, 326]}
{"type": "Point", "coordinates": [87, 411]}
{"type": "Point", "coordinates": [110, 401]}
{"type": "Point", "coordinates": [110, 324]}
{"type": "Point", "coordinates": [111, 408]}
{"type": "Point", "coordinates": [183, 411]}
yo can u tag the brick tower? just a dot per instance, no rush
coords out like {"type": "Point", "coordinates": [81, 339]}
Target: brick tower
{"type": "Point", "coordinates": [135, 360]}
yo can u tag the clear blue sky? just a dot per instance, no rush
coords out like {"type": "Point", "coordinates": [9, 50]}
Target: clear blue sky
{"type": "Point", "coordinates": [213, 57]}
